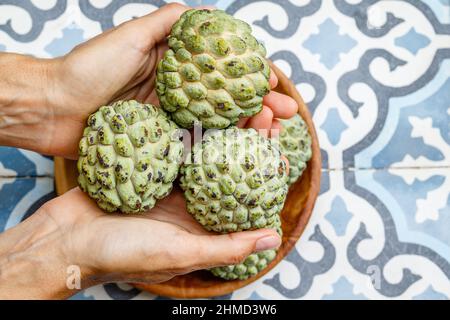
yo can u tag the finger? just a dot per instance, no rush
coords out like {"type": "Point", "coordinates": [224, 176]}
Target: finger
{"type": "Point", "coordinates": [242, 122]}
{"type": "Point", "coordinates": [141, 88]}
{"type": "Point", "coordinates": [287, 163]}
{"type": "Point", "coordinates": [262, 122]}
{"type": "Point", "coordinates": [156, 26]}
{"type": "Point", "coordinates": [273, 79]}
{"type": "Point", "coordinates": [209, 7]}
{"type": "Point", "coordinates": [232, 248]}
{"type": "Point", "coordinates": [276, 128]}
{"type": "Point", "coordinates": [282, 106]}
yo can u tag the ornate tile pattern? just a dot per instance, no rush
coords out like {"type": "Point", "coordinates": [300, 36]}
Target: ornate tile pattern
{"type": "Point", "coordinates": [376, 76]}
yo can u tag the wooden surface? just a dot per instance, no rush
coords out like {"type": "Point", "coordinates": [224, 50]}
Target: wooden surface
{"type": "Point", "coordinates": [295, 215]}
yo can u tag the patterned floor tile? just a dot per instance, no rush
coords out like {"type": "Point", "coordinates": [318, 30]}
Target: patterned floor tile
{"type": "Point", "coordinates": [417, 131]}
{"type": "Point", "coordinates": [364, 88]}
{"type": "Point", "coordinates": [355, 247]}
{"type": "Point", "coordinates": [21, 197]}
{"type": "Point", "coordinates": [376, 76]}
{"type": "Point", "coordinates": [23, 163]}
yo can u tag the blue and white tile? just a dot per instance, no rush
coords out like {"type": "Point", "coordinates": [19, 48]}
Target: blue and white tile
{"type": "Point", "coordinates": [410, 43]}
{"type": "Point", "coordinates": [379, 93]}
{"type": "Point", "coordinates": [417, 132]}
{"type": "Point", "coordinates": [113, 291]}
{"type": "Point", "coordinates": [21, 197]}
{"type": "Point", "coordinates": [24, 163]}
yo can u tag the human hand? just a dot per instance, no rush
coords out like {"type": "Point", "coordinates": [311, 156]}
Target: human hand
{"type": "Point", "coordinates": [72, 231]}
{"type": "Point", "coordinates": [121, 64]}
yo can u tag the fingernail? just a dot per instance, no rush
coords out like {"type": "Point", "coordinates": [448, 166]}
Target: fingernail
{"type": "Point", "coordinates": [266, 243]}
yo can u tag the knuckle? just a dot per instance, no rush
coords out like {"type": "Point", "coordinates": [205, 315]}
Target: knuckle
{"type": "Point", "coordinates": [47, 209]}
{"type": "Point", "coordinates": [196, 255]}
{"type": "Point", "coordinates": [268, 111]}
{"type": "Point", "coordinates": [238, 255]}
{"type": "Point", "coordinates": [180, 254]}
{"type": "Point", "coordinates": [237, 258]}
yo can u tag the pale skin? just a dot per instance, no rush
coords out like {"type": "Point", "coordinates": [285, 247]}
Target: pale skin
{"type": "Point", "coordinates": [43, 107]}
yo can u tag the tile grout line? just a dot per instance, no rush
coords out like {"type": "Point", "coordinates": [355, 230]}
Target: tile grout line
{"type": "Point", "coordinates": [322, 169]}
{"type": "Point", "coordinates": [25, 177]}
{"type": "Point", "coordinates": [384, 168]}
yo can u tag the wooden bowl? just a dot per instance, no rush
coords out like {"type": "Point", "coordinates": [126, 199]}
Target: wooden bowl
{"type": "Point", "coordinates": [295, 215]}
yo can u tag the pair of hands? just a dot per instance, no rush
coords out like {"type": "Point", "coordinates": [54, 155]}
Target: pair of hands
{"type": "Point", "coordinates": [121, 64]}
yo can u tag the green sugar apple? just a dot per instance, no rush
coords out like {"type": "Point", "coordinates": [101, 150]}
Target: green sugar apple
{"type": "Point", "coordinates": [252, 265]}
{"type": "Point", "coordinates": [295, 143]}
{"type": "Point", "coordinates": [129, 156]}
{"type": "Point", "coordinates": [236, 180]}
{"type": "Point", "coordinates": [215, 71]}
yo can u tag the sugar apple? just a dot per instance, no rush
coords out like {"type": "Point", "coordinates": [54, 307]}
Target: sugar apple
{"type": "Point", "coordinates": [294, 142]}
{"type": "Point", "coordinates": [214, 72]}
{"type": "Point", "coordinates": [236, 180]}
{"type": "Point", "coordinates": [252, 265]}
{"type": "Point", "coordinates": [129, 156]}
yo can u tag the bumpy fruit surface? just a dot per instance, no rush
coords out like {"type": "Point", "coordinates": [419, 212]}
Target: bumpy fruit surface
{"type": "Point", "coordinates": [129, 156]}
{"type": "Point", "coordinates": [236, 181]}
{"type": "Point", "coordinates": [252, 265]}
{"type": "Point", "coordinates": [295, 144]}
{"type": "Point", "coordinates": [215, 71]}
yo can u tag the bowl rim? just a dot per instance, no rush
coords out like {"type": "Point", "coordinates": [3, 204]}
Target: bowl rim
{"type": "Point", "coordinates": [62, 184]}
{"type": "Point", "coordinates": [315, 164]}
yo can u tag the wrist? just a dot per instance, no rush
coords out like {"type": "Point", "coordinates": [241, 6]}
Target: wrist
{"type": "Point", "coordinates": [36, 261]}
{"type": "Point", "coordinates": [26, 102]}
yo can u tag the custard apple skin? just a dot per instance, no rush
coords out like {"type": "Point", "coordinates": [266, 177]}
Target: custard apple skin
{"type": "Point", "coordinates": [235, 181]}
{"type": "Point", "coordinates": [129, 156]}
{"type": "Point", "coordinates": [214, 73]}
{"type": "Point", "coordinates": [252, 265]}
{"type": "Point", "coordinates": [295, 143]}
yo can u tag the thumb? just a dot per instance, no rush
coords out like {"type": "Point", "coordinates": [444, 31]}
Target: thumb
{"type": "Point", "coordinates": [286, 161]}
{"type": "Point", "coordinates": [156, 26]}
{"type": "Point", "coordinates": [232, 248]}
